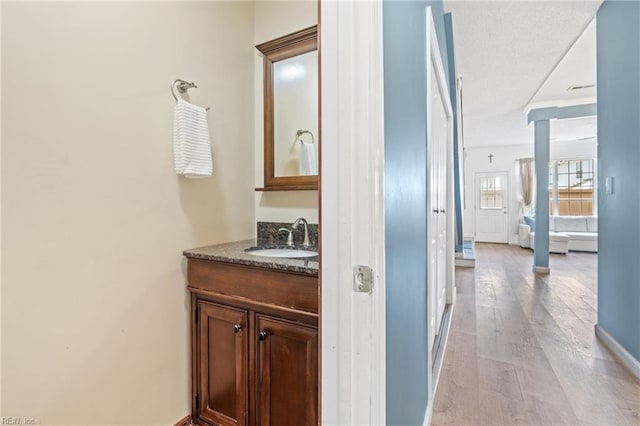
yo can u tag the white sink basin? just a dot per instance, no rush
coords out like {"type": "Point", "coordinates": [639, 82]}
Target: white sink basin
{"type": "Point", "coordinates": [279, 252]}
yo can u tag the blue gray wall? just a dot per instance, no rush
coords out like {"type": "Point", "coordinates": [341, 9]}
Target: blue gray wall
{"type": "Point", "coordinates": [404, 29]}
{"type": "Point", "coordinates": [618, 42]}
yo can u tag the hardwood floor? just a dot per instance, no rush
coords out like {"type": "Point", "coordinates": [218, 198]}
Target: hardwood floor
{"type": "Point", "coordinates": [522, 348]}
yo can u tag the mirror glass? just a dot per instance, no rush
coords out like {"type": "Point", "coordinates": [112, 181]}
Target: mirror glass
{"type": "Point", "coordinates": [290, 81]}
{"type": "Point", "coordinates": [295, 115]}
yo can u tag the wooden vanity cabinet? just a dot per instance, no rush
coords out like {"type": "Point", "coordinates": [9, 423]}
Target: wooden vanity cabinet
{"type": "Point", "coordinates": [287, 373]}
{"type": "Point", "coordinates": [254, 357]}
{"type": "Point", "coordinates": [222, 361]}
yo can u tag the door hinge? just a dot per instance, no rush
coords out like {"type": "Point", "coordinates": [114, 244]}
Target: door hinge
{"type": "Point", "coordinates": [196, 401]}
{"type": "Point", "coordinates": [197, 314]}
{"type": "Point", "coordinates": [362, 279]}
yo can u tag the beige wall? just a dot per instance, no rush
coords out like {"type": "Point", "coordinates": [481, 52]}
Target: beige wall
{"type": "Point", "coordinates": [94, 308]}
{"type": "Point", "coordinates": [274, 19]}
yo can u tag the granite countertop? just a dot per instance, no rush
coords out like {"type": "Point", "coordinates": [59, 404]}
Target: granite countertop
{"type": "Point", "coordinates": [235, 253]}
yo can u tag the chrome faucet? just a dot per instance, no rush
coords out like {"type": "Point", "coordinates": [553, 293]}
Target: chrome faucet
{"type": "Point", "coordinates": [305, 242]}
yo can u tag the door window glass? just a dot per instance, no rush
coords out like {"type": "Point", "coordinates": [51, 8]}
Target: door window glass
{"type": "Point", "coordinates": [491, 192]}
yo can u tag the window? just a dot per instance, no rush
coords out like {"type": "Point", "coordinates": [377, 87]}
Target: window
{"type": "Point", "coordinates": [571, 187]}
{"type": "Point", "coordinates": [491, 192]}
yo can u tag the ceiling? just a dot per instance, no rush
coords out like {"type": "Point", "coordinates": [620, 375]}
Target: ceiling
{"type": "Point", "coordinates": [512, 55]}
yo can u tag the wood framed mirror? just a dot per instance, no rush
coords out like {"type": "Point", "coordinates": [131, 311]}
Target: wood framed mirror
{"type": "Point", "coordinates": [291, 111]}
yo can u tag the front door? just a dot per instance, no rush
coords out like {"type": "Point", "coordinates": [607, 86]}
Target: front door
{"type": "Point", "coordinates": [492, 208]}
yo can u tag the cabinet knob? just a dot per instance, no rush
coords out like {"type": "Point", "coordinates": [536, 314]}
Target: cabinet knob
{"type": "Point", "coordinates": [442, 211]}
{"type": "Point", "coordinates": [262, 335]}
{"type": "Point", "coordinates": [435, 210]}
{"type": "Point", "coordinates": [237, 328]}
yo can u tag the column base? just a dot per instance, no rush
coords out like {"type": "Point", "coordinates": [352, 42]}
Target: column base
{"type": "Point", "coordinates": [541, 269]}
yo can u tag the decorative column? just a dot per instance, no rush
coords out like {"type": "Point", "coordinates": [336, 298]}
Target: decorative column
{"type": "Point", "coordinates": [541, 241]}
{"type": "Point", "coordinates": [540, 117]}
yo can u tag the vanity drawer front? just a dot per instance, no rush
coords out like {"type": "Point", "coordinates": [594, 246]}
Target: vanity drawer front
{"type": "Point", "coordinates": [246, 283]}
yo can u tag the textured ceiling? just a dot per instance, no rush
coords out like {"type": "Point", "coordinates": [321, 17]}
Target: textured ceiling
{"type": "Point", "coordinates": [577, 68]}
{"type": "Point", "coordinates": [505, 51]}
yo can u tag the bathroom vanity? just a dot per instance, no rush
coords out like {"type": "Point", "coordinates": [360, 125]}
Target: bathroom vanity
{"type": "Point", "coordinates": [254, 336]}
{"type": "Point", "coordinates": [254, 304]}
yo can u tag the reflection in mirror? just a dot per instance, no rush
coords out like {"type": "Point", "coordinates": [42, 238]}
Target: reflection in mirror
{"type": "Point", "coordinates": [291, 111]}
{"type": "Point", "coordinates": [295, 115]}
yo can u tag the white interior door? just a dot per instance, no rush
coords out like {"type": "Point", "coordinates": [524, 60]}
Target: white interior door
{"type": "Point", "coordinates": [433, 223]}
{"type": "Point", "coordinates": [441, 287]}
{"type": "Point", "coordinates": [492, 211]}
{"type": "Point", "coordinates": [439, 132]}
{"type": "Point", "coordinates": [437, 123]}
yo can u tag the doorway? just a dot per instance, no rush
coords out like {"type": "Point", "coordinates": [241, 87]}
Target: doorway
{"type": "Point", "coordinates": [492, 211]}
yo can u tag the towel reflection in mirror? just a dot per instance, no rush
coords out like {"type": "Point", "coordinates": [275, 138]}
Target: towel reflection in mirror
{"type": "Point", "coordinates": [295, 113]}
{"type": "Point", "coordinates": [307, 165]}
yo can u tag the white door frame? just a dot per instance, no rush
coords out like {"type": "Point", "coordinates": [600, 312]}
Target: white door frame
{"type": "Point", "coordinates": [353, 345]}
{"type": "Point", "coordinates": [506, 200]}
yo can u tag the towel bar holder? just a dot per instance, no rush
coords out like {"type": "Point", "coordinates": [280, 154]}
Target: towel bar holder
{"type": "Point", "coordinates": [302, 132]}
{"type": "Point", "coordinates": [182, 86]}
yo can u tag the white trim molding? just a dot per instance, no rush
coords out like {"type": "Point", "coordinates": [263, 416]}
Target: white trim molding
{"type": "Point", "coordinates": [353, 324]}
{"type": "Point", "coordinates": [625, 357]}
{"type": "Point", "coordinates": [541, 269]}
{"type": "Point", "coordinates": [439, 362]}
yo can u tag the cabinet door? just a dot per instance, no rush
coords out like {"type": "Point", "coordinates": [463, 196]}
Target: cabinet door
{"type": "Point", "coordinates": [222, 364]}
{"type": "Point", "coordinates": [287, 373]}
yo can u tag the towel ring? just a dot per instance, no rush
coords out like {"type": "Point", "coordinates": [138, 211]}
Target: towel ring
{"type": "Point", "coordinates": [299, 133]}
{"type": "Point", "coordinates": [302, 132]}
{"type": "Point", "coordinates": [182, 86]}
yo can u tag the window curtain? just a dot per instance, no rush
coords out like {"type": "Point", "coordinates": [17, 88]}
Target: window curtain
{"type": "Point", "coordinates": [526, 176]}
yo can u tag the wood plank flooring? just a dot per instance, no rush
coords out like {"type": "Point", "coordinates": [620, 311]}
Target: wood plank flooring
{"type": "Point", "coordinates": [522, 348]}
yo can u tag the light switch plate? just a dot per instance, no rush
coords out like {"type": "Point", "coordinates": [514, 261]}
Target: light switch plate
{"type": "Point", "coordinates": [609, 185]}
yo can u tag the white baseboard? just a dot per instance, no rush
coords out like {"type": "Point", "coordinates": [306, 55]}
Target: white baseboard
{"type": "Point", "coordinates": [541, 269]}
{"type": "Point", "coordinates": [610, 342]}
{"type": "Point", "coordinates": [466, 263]}
{"type": "Point", "coordinates": [514, 239]}
{"type": "Point", "coordinates": [437, 369]}
{"type": "Point", "coordinates": [428, 413]}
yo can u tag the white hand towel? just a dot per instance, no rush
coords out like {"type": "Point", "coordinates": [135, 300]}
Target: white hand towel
{"type": "Point", "coordinates": [308, 163]}
{"type": "Point", "coordinates": [191, 146]}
